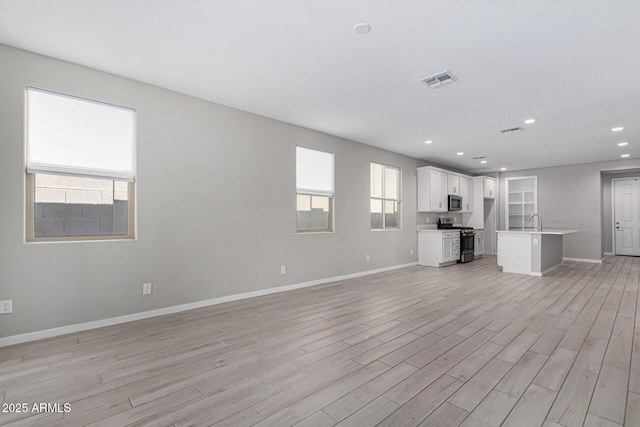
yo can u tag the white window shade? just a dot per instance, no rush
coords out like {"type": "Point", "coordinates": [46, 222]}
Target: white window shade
{"type": "Point", "coordinates": [75, 136]}
{"type": "Point", "coordinates": [391, 183]}
{"type": "Point", "coordinates": [314, 172]}
{"type": "Point", "coordinates": [376, 180]}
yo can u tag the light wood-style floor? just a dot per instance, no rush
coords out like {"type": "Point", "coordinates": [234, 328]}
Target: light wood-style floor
{"type": "Point", "coordinates": [461, 345]}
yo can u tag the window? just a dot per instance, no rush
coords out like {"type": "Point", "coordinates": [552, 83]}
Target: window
{"type": "Point", "coordinates": [385, 197]}
{"type": "Point", "coordinates": [314, 188]}
{"type": "Point", "coordinates": [80, 168]}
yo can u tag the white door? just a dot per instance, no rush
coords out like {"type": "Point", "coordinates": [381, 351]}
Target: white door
{"type": "Point", "coordinates": [626, 203]}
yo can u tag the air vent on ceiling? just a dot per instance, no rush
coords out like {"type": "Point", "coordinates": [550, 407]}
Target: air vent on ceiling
{"type": "Point", "coordinates": [479, 157]}
{"type": "Point", "coordinates": [511, 130]}
{"type": "Point", "coordinates": [439, 79]}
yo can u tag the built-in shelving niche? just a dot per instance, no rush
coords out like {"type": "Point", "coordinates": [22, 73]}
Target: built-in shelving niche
{"type": "Point", "coordinates": [522, 202]}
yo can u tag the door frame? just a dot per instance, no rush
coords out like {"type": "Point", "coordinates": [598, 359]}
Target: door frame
{"type": "Point", "coordinates": [613, 210]}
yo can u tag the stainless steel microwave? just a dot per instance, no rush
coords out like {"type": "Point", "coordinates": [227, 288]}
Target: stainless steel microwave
{"type": "Point", "coordinates": [455, 203]}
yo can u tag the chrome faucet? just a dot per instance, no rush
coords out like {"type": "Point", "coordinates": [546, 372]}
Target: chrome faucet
{"type": "Point", "coordinates": [539, 221]}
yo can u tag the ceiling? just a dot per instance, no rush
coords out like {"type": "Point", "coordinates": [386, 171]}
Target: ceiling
{"type": "Point", "coordinates": [572, 65]}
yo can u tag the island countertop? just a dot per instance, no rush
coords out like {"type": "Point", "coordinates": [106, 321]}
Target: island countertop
{"type": "Point", "coordinates": [549, 231]}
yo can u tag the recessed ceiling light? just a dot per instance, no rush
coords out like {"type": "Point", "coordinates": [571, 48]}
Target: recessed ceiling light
{"type": "Point", "coordinates": [617, 129]}
{"type": "Point", "coordinates": [529, 121]}
{"type": "Point", "coordinates": [503, 169]}
{"type": "Point", "coordinates": [622, 144]}
{"type": "Point", "coordinates": [483, 161]}
{"type": "Point", "coordinates": [460, 153]}
{"type": "Point", "coordinates": [428, 141]}
{"type": "Point", "coordinates": [362, 28]}
{"type": "Point", "coordinates": [625, 155]}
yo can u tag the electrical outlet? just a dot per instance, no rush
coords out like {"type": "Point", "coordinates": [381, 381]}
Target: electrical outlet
{"type": "Point", "coordinates": [367, 257]}
{"type": "Point", "coordinates": [6, 306]}
{"type": "Point", "coordinates": [283, 269]}
{"type": "Point", "coordinates": [146, 288]}
{"type": "Point", "coordinates": [410, 251]}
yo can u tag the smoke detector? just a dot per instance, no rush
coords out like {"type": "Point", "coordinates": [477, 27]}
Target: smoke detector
{"type": "Point", "coordinates": [439, 79]}
{"type": "Point", "coordinates": [362, 28]}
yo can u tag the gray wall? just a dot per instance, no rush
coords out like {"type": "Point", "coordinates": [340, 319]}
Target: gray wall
{"type": "Point", "coordinates": [231, 227]}
{"type": "Point", "coordinates": [574, 197]}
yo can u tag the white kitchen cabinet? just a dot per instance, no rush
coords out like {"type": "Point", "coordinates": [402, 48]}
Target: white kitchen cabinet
{"type": "Point", "coordinates": [453, 185]}
{"type": "Point", "coordinates": [466, 192]}
{"type": "Point", "coordinates": [432, 190]}
{"type": "Point", "coordinates": [478, 244]}
{"type": "Point", "coordinates": [434, 186]}
{"type": "Point", "coordinates": [447, 250]}
{"type": "Point", "coordinates": [489, 188]}
{"type": "Point", "coordinates": [437, 248]}
{"type": "Point", "coordinates": [456, 247]}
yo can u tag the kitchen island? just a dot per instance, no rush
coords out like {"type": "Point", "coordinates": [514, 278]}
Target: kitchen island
{"type": "Point", "coordinates": [530, 251]}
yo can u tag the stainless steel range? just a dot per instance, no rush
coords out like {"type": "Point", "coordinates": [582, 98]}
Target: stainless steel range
{"type": "Point", "coordinates": [467, 238]}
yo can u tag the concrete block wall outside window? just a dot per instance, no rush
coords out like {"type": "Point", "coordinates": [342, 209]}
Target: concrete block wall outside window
{"type": "Point", "coordinates": [313, 213]}
{"type": "Point", "coordinates": [67, 206]}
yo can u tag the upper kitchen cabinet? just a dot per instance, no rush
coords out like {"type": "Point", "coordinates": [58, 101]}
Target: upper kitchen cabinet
{"type": "Point", "coordinates": [522, 202]}
{"type": "Point", "coordinates": [489, 188]}
{"type": "Point", "coordinates": [435, 185]}
{"type": "Point", "coordinates": [466, 192]}
{"type": "Point", "coordinates": [432, 190]}
{"type": "Point", "coordinates": [453, 185]}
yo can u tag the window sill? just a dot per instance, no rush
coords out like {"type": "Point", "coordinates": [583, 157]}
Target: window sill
{"type": "Point", "coordinates": [79, 240]}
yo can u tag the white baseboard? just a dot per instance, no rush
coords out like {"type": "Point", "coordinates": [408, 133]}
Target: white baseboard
{"type": "Point", "coordinates": [63, 330]}
{"type": "Point", "coordinates": [608, 253]}
{"type": "Point", "coordinates": [595, 261]}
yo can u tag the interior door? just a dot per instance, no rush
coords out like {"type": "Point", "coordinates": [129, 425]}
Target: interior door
{"type": "Point", "coordinates": [626, 204]}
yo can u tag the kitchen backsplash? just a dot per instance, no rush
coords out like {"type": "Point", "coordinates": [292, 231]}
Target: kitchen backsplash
{"type": "Point", "coordinates": [432, 217]}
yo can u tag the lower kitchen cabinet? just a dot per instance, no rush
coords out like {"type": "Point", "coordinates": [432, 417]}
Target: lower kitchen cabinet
{"type": "Point", "coordinates": [437, 248]}
{"type": "Point", "coordinates": [478, 244]}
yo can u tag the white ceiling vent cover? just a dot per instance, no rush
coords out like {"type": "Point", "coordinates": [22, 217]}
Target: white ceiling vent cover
{"type": "Point", "coordinates": [511, 130]}
{"type": "Point", "coordinates": [439, 79]}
